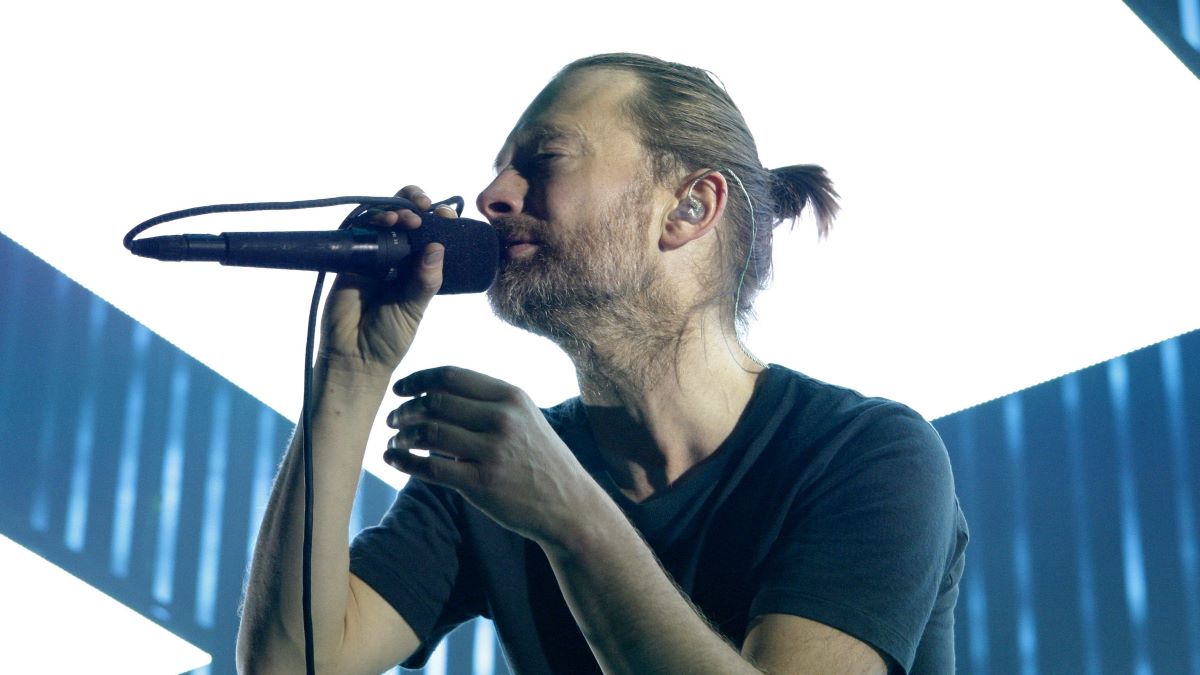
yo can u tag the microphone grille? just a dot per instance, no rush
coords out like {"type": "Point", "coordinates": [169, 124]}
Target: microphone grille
{"type": "Point", "coordinates": [472, 251]}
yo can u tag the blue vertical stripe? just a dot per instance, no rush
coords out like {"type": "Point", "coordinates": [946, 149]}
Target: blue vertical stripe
{"type": "Point", "coordinates": [1185, 524]}
{"type": "Point", "coordinates": [436, 665]}
{"type": "Point", "coordinates": [1085, 566]}
{"type": "Point", "coordinates": [977, 622]}
{"type": "Point", "coordinates": [1189, 22]}
{"type": "Point", "coordinates": [85, 433]}
{"type": "Point", "coordinates": [974, 578]}
{"type": "Point", "coordinates": [171, 489]}
{"type": "Point", "coordinates": [127, 464]}
{"type": "Point", "coordinates": [214, 500]}
{"type": "Point", "coordinates": [1014, 435]}
{"type": "Point", "coordinates": [48, 457]}
{"type": "Point", "coordinates": [483, 652]}
{"type": "Point", "coordinates": [1131, 531]}
{"type": "Point", "coordinates": [81, 470]}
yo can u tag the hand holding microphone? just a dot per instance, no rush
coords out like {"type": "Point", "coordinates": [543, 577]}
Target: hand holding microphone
{"type": "Point", "coordinates": [390, 260]}
{"type": "Point", "coordinates": [372, 246]}
{"type": "Point", "coordinates": [368, 325]}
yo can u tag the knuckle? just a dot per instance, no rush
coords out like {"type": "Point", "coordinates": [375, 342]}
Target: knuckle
{"type": "Point", "coordinates": [505, 422]}
{"type": "Point", "coordinates": [420, 433]}
{"type": "Point", "coordinates": [514, 396]}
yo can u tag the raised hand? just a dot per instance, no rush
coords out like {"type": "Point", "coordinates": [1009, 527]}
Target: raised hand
{"type": "Point", "coordinates": [369, 325]}
{"type": "Point", "coordinates": [491, 443]}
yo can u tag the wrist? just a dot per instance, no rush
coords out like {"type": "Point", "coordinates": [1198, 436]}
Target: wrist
{"type": "Point", "coordinates": [349, 376]}
{"type": "Point", "coordinates": [349, 373]}
{"type": "Point", "coordinates": [594, 523]}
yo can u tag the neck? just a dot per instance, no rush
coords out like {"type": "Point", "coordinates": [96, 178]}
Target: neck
{"type": "Point", "coordinates": [661, 401]}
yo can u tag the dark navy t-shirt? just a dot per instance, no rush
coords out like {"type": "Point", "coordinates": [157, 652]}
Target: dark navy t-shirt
{"type": "Point", "coordinates": [822, 504]}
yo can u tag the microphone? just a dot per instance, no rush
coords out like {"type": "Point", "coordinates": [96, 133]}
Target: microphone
{"type": "Point", "coordinates": [469, 266]}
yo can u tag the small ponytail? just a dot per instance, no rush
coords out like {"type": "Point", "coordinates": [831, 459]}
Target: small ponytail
{"type": "Point", "coordinates": [794, 187]}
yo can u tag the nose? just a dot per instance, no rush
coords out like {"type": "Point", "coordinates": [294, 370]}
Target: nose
{"type": "Point", "coordinates": [504, 196]}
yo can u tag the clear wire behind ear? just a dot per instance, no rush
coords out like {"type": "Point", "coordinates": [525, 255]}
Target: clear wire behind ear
{"type": "Point", "coordinates": [737, 298]}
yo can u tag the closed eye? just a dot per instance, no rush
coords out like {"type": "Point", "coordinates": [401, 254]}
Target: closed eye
{"type": "Point", "coordinates": [537, 164]}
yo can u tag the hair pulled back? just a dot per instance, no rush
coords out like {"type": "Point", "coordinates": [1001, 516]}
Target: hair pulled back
{"type": "Point", "coordinates": [687, 121]}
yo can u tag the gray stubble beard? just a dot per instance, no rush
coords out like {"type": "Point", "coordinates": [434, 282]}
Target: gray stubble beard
{"type": "Point", "coordinates": [611, 313]}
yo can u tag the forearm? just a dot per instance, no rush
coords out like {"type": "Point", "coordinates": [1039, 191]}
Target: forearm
{"type": "Point", "coordinates": [633, 616]}
{"type": "Point", "coordinates": [271, 631]}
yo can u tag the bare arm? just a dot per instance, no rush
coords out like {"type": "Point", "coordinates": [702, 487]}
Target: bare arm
{"type": "Point", "coordinates": [637, 621]}
{"type": "Point", "coordinates": [512, 466]}
{"type": "Point", "coordinates": [271, 636]}
{"type": "Point", "coordinates": [366, 329]}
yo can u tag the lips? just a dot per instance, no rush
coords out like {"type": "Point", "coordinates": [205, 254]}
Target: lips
{"type": "Point", "coordinates": [518, 240]}
{"type": "Point", "coordinates": [517, 236]}
{"type": "Point", "coordinates": [520, 248]}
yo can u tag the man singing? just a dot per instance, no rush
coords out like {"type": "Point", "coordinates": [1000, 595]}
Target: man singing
{"type": "Point", "coordinates": [693, 510]}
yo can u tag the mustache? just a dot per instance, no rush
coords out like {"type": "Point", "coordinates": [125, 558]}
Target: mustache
{"type": "Point", "coordinates": [520, 227]}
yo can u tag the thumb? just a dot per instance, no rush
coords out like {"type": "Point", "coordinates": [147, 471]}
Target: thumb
{"type": "Point", "coordinates": [428, 276]}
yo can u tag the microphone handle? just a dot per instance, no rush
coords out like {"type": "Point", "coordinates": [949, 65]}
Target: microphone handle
{"type": "Point", "coordinates": [371, 252]}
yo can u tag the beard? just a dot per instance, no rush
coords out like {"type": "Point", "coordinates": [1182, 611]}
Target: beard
{"type": "Point", "coordinates": [597, 281]}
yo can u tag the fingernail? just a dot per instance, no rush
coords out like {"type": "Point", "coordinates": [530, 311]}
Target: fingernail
{"type": "Point", "coordinates": [399, 387]}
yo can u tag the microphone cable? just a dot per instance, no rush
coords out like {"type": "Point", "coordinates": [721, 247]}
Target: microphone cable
{"type": "Point", "coordinates": [363, 204]}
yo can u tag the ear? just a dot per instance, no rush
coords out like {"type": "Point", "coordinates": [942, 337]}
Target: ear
{"type": "Point", "coordinates": [707, 191]}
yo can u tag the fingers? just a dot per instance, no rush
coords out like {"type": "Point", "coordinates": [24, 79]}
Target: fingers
{"type": "Point", "coordinates": [454, 412]}
{"type": "Point", "coordinates": [460, 382]}
{"type": "Point", "coordinates": [439, 437]}
{"type": "Point", "coordinates": [446, 211]}
{"type": "Point", "coordinates": [467, 413]}
{"type": "Point", "coordinates": [456, 426]}
{"type": "Point", "coordinates": [415, 195]}
{"type": "Point", "coordinates": [427, 278]}
{"type": "Point", "coordinates": [407, 217]}
{"type": "Point", "coordinates": [434, 469]}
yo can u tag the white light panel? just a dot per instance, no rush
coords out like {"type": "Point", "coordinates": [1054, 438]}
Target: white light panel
{"type": "Point", "coordinates": [1018, 179]}
{"type": "Point", "coordinates": [53, 622]}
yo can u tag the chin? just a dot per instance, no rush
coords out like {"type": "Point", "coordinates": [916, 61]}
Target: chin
{"type": "Point", "coordinates": [527, 297]}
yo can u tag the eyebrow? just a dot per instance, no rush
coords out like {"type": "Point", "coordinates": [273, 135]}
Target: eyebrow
{"type": "Point", "coordinates": [537, 133]}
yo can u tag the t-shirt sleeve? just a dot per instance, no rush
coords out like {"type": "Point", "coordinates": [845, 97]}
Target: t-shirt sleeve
{"type": "Point", "coordinates": [867, 544]}
{"type": "Point", "coordinates": [412, 560]}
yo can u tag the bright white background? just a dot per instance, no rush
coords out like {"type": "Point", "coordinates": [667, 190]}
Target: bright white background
{"type": "Point", "coordinates": [1018, 179]}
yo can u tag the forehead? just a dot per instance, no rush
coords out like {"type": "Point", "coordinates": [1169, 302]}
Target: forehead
{"type": "Point", "coordinates": [582, 107]}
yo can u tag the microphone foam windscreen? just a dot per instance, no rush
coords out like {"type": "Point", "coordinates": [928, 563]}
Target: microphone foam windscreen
{"type": "Point", "coordinates": [472, 251]}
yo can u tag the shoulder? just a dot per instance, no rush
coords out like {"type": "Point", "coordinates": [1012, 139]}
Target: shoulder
{"type": "Point", "coordinates": [836, 424]}
{"type": "Point", "coordinates": [836, 450]}
{"type": "Point", "coordinates": [871, 530]}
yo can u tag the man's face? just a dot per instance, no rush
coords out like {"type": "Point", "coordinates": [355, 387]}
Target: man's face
{"type": "Point", "coordinates": [573, 202]}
